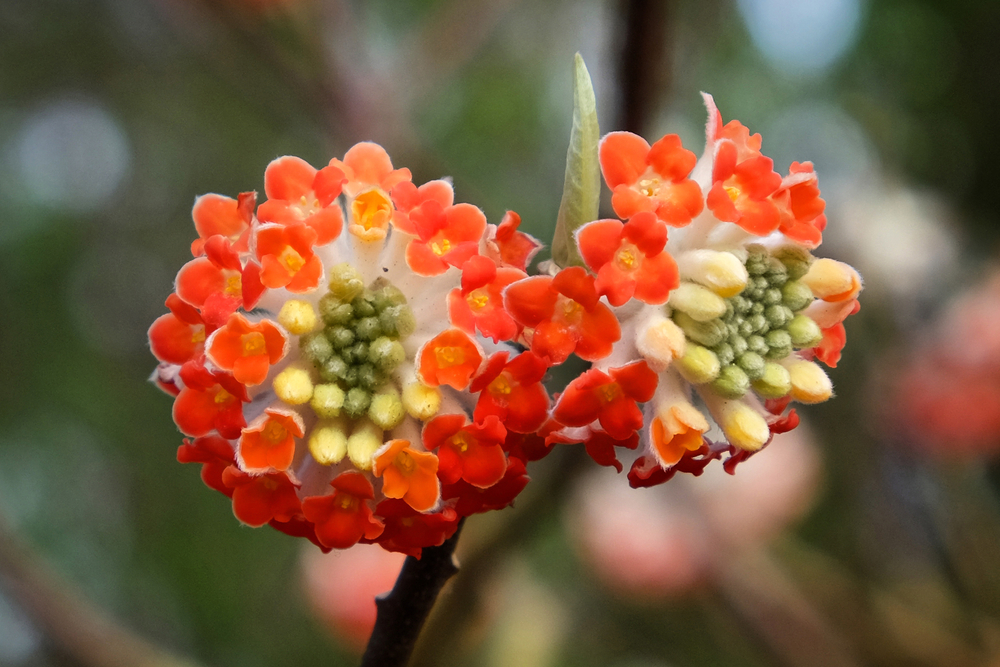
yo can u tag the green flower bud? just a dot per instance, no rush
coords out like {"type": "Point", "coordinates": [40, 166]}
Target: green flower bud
{"type": "Point", "coordinates": [345, 282]}
{"type": "Point", "coordinates": [772, 296]}
{"type": "Point", "coordinates": [397, 321]}
{"type": "Point", "coordinates": [774, 383]}
{"type": "Point", "coordinates": [741, 304]}
{"type": "Point", "coordinates": [804, 332]}
{"type": "Point", "coordinates": [335, 311]}
{"type": "Point", "coordinates": [777, 274]}
{"type": "Point", "coordinates": [724, 351]}
{"type": "Point", "coordinates": [356, 402]}
{"type": "Point", "coordinates": [340, 336]}
{"type": "Point", "coordinates": [757, 343]}
{"type": "Point", "coordinates": [351, 376]}
{"type": "Point", "coordinates": [386, 353]}
{"type": "Point", "coordinates": [315, 347]}
{"type": "Point", "coordinates": [759, 324]}
{"type": "Point", "coordinates": [739, 344]}
{"type": "Point", "coordinates": [362, 307]}
{"type": "Point", "coordinates": [752, 364]}
{"type": "Point", "coordinates": [757, 308]}
{"type": "Point", "coordinates": [796, 295]}
{"type": "Point", "coordinates": [388, 296]}
{"type": "Point", "coordinates": [709, 333]}
{"type": "Point", "coordinates": [333, 369]}
{"type": "Point", "coordinates": [368, 328]}
{"type": "Point", "coordinates": [731, 383]}
{"type": "Point", "coordinates": [779, 344]}
{"type": "Point", "coordinates": [776, 316]}
{"type": "Point", "coordinates": [369, 378]}
{"type": "Point", "coordinates": [746, 328]}
{"type": "Point", "coordinates": [796, 260]}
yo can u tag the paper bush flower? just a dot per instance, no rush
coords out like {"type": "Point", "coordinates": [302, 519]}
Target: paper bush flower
{"type": "Point", "coordinates": [326, 354]}
{"type": "Point", "coordinates": [721, 311]}
{"type": "Point", "coordinates": [363, 360]}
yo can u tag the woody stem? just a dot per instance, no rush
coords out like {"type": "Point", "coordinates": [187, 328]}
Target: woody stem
{"type": "Point", "coordinates": [402, 612]}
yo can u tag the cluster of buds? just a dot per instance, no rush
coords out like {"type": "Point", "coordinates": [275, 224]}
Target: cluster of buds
{"type": "Point", "coordinates": [358, 359]}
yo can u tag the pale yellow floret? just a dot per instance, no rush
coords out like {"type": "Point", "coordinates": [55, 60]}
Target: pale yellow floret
{"type": "Point", "coordinates": [721, 272]}
{"type": "Point", "coordinates": [744, 427]}
{"type": "Point", "coordinates": [701, 303]}
{"type": "Point", "coordinates": [699, 364]}
{"type": "Point", "coordinates": [660, 343]}
{"type": "Point", "coordinates": [327, 400]}
{"type": "Point", "coordinates": [420, 401]}
{"type": "Point", "coordinates": [809, 383]}
{"type": "Point", "coordinates": [775, 383]}
{"type": "Point", "coordinates": [363, 443]}
{"type": "Point", "coordinates": [298, 317]}
{"type": "Point", "coordinates": [328, 441]}
{"type": "Point", "coordinates": [386, 410]}
{"type": "Point", "coordinates": [830, 278]}
{"type": "Point", "coordinates": [293, 385]}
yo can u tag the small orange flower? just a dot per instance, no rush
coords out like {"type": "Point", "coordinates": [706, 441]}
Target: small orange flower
{"type": "Point", "coordinates": [247, 350]}
{"type": "Point", "coordinates": [287, 259]}
{"type": "Point", "coordinates": [451, 358]}
{"type": "Point", "coordinates": [224, 216]}
{"type": "Point", "coordinates": [269, 442]}
{"type": "Point", "coordinates": [408, 474]}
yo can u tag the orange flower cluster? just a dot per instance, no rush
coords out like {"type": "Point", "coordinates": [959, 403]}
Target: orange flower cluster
{"type": "Point", "coordinates": [359, 359]}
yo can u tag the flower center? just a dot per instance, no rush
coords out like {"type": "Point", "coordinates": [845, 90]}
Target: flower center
{"type": "Point", "coordinates": [500, 386]}
{"type": "Point", "coordinates": [253, 344]}
{"type": "Point", "coordinates": [274, 433]}
{"type": "Point", "coordinates": [627, 257]}
{"type": "Point", "coordinates": [371, 209]}
{"type": "Point", "coordinates": [441, 247]}
{"type": "Point", "coordinates": [359, 348]}
{"type": "Point", "coordinates": [234, 285]}
{"type": "Point", "coordinates": [649, 186]}
{"type": "Point", "coordinates": [761, 326]}
{"type": "Point", "coordinates": [477, 299]}
{"type": "Point", "coordinates": [291, 260]}
{"type": "Point", "coordinates": [404, 463]}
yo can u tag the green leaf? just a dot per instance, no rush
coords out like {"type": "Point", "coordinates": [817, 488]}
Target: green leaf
{"type": "Point", "coordinates": [582, 188]}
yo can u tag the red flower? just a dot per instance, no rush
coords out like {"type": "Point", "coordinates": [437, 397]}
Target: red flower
{"type": "Point", "coordinates": [408, 474]}
{"type": "Point", "coordinates": [479, 303]}
{"type": "Point", "coordinates": [223, 216]}
{"type": "Point", "coordinates": [609, 399]}
{"type": "Point", "coordinates": [409, 531]}
{"type": "Point", "coordinates": [408, 197]}
{"type": "Point", "coordinates": [471, 499]}
{"type": "Point", "coordinates": [509, 247]}
{"type": "Point", "coordinates": [565, 315]}
{"type": "Point", "coordinates": [513, 392]}
{"type": "Point", "coordinates": [260, 499]}
{"type": "Point", "coordinates": [370, 177]}
{"type": "Point", "coordinates": [178, 336]}
{"type": "Point", "coordinates": [247, 350]}
{"type": "Point", "coordinates": [800, 208]}
{"type": "Point", "coordinates": [446, 236]}
{"type": "Point", "coordinates": [344, 517]}
{"type": "Point", "coordinates": [209, 401]}
{"type": "Point", "coordinates": [297, 192]}
{"type": "Point", "coordinates": [743, 179]}
{"type": "Point", "coordinates": [472, 452]}
{"type": "Point", "coordinates": [629, 259]}
{"type": "Point", "coordinates": [287, 259]}
{"type": "Point", "coordinates": [650, 178]}
{"type": "Point", "coordinates": [214, 283]}
{"type": "Point", "coordinates": [269, 442]}
{"type": "Point", "coordinates": [451, 358]}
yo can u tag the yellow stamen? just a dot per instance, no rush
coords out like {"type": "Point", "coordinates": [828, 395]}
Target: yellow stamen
{"type": "Point", "coordinates": [500, 386]}
{"type": "Point", "coordinates": [234, 285]}
{"type": "Point", "coordinates": [442, 248]}
{"type": "Point", "coordinates": [274, 432]}
{"type": "Point", "coordinates": [449, 356]}
{"type": "Point", "coordinates": [627, 257]}
{"type": "Point", "coordinates": [223, 396]}
{"type": "Point", "coordinates": [404, 463]}
{"type": "Point", "coordinates": [253, 344]}
{"type": "Point", "coordinates": [733, 192]}
{"type": "Point", "coordinates": [291, 260]}
{"type": "Point", "coordinates": [198, 335]}
{"type": "Point", "coordinates": [477, 299]}
{"type": "Point", "coordinates": [649, 186]}
{"type": "Point", "coordinates": [609, 392]}
{"type": "Point", "coordinates": [367, 208]}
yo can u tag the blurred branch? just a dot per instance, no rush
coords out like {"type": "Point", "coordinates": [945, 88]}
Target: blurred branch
{"type": "Point", "coordinates": [402, 612]}
{"type": "Point", "coordinates": [58, 610]}
{"type": "Point", "coordinates": [645, 66]}
{"type": "Point", "coordinates": [460, 606]}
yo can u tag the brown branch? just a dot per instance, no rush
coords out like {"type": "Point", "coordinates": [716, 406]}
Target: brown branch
{"type": "Point", "coordinates": [644, 69]}
{"type": "Point", "coordinates": [60, 612]}
{"type": "Point", "coordinates": [401, 613]}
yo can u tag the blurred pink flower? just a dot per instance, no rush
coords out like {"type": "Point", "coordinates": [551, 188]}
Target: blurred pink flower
{"type": "Point", "coordinates": [666, 540]}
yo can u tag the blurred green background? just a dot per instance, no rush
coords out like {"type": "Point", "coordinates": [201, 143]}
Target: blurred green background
{"type": "Point", "coordinates": [114, 114]}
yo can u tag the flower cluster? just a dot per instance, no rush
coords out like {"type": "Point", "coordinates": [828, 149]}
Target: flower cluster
{"type": "Point", "coordinates": [358, 359]}
{"type": "Point", "coordinates": [338, 355]}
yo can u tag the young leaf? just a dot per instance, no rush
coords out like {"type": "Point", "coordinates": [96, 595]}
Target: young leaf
{"type": "Point", "coordinates": [582, 187]}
